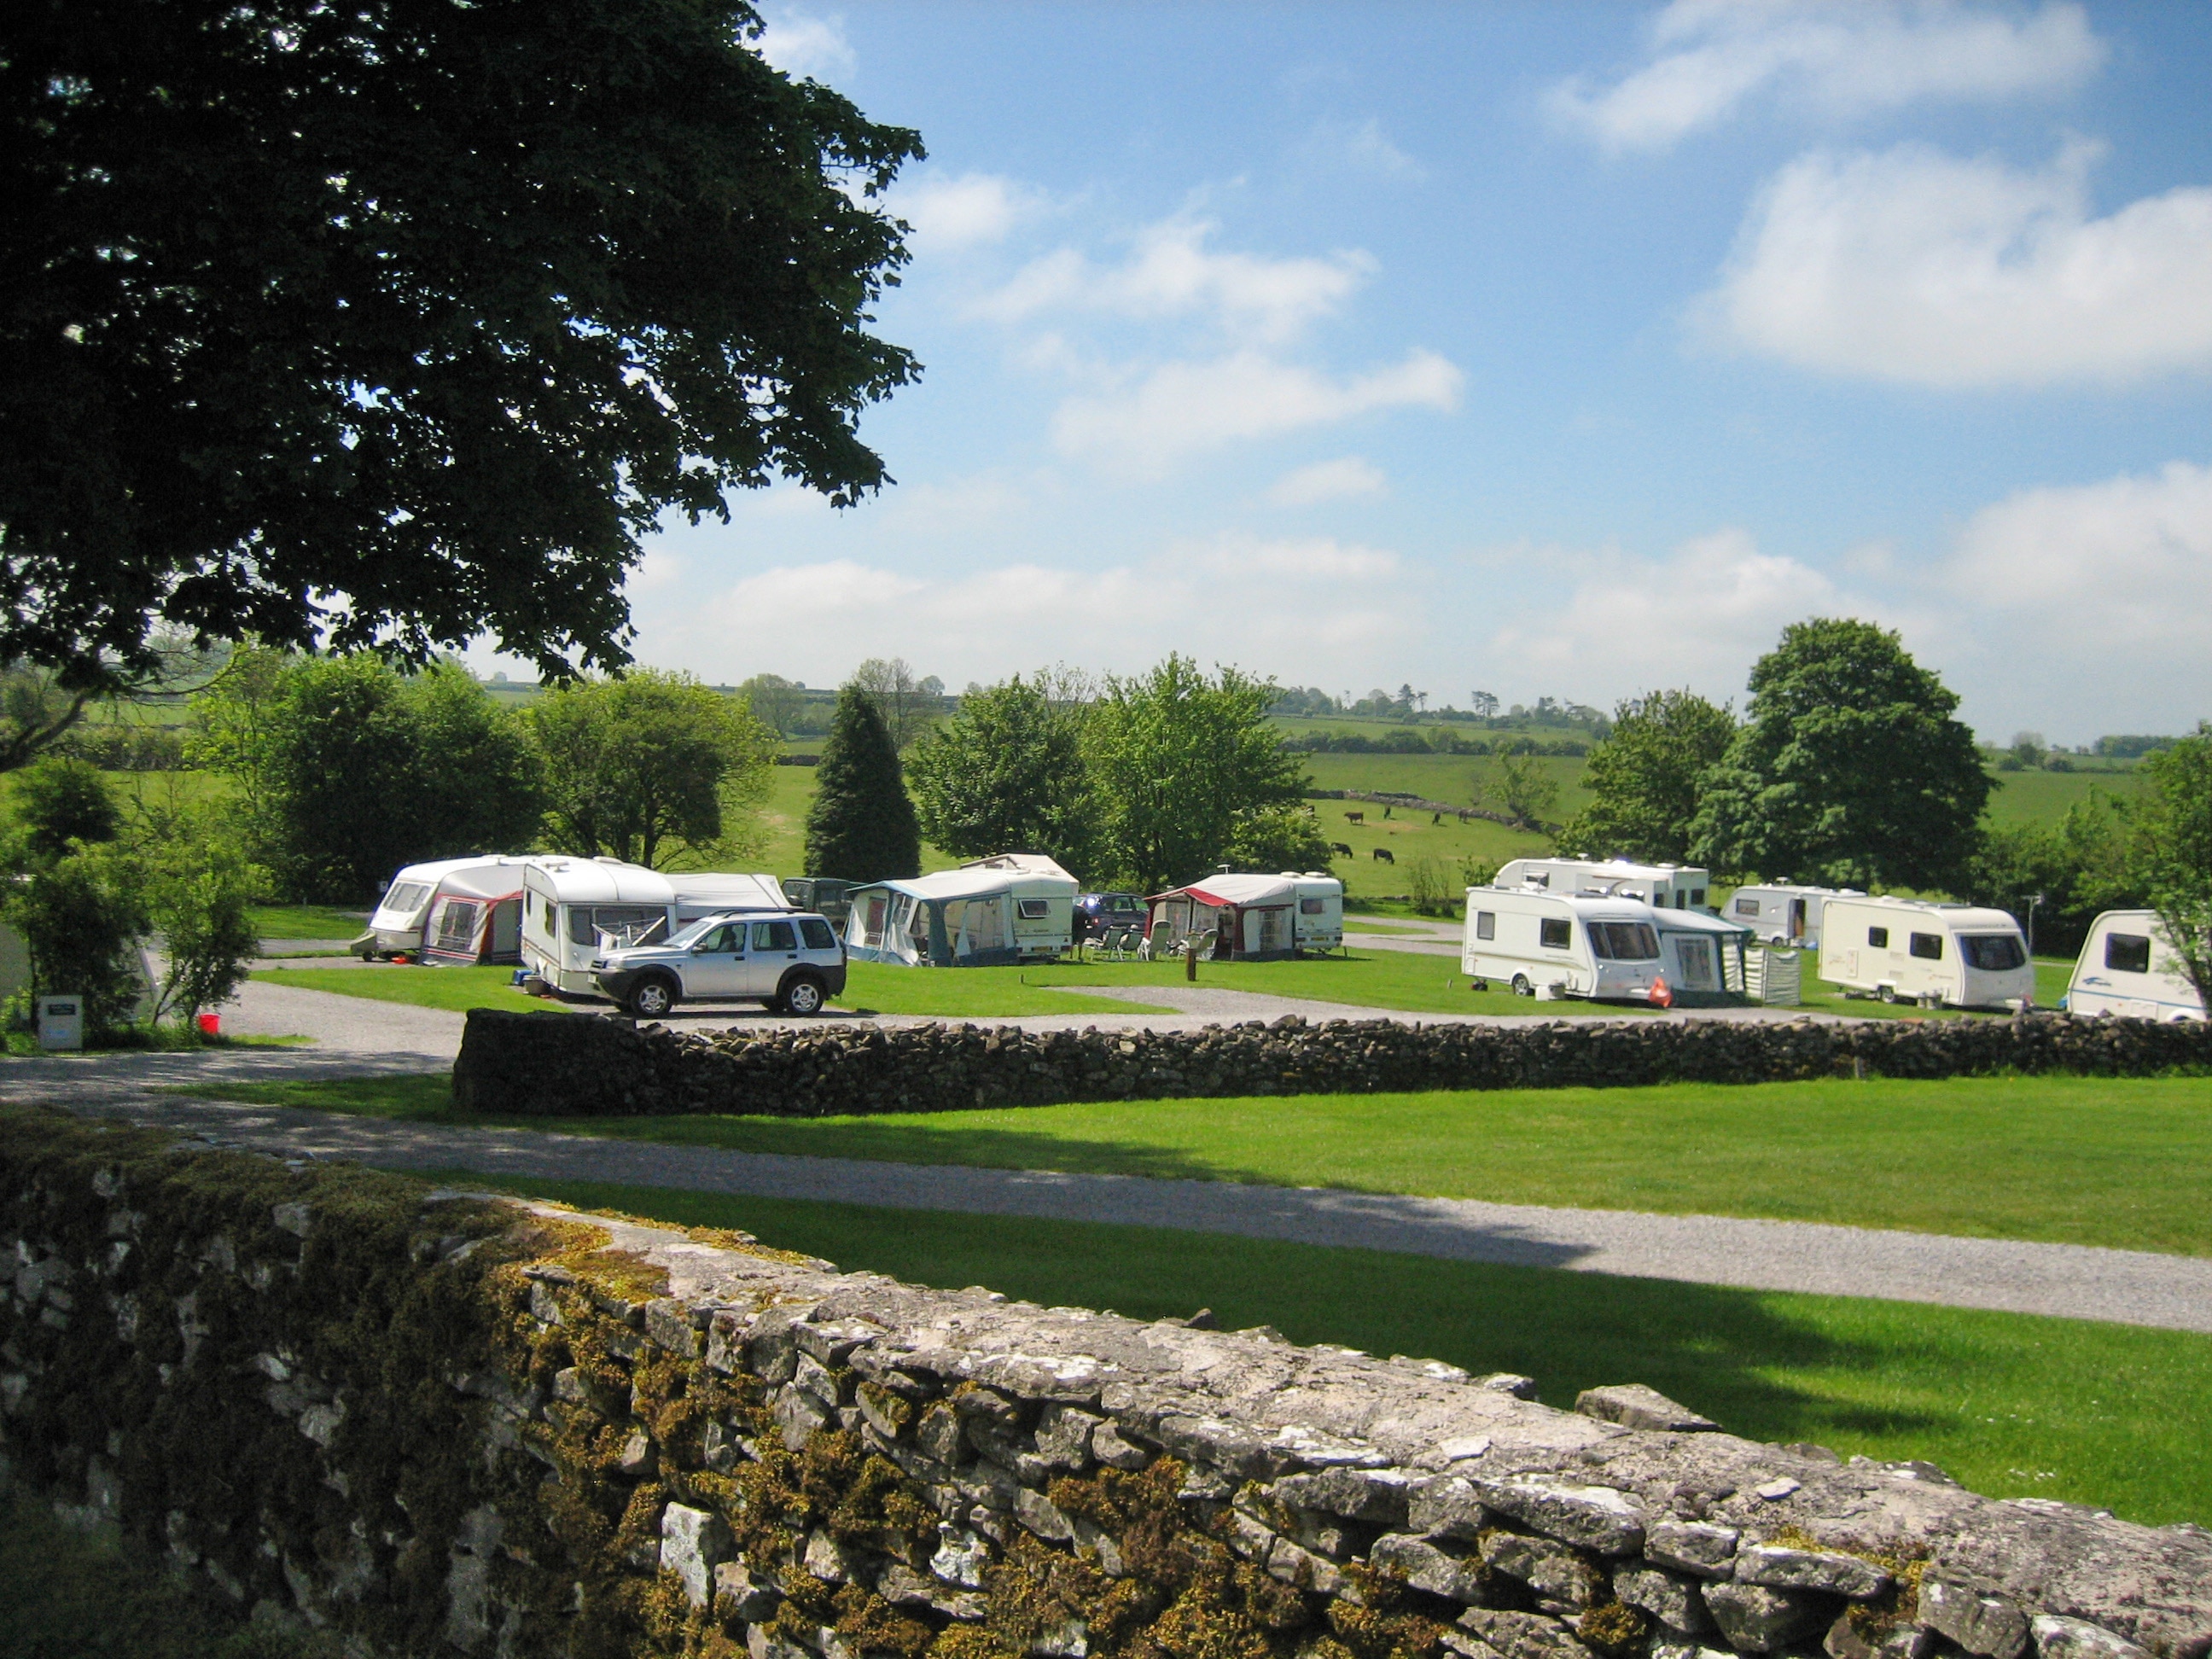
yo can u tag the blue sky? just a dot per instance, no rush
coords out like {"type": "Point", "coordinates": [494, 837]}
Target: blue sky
{"type": "Point", "coordinates": [1564, 351]}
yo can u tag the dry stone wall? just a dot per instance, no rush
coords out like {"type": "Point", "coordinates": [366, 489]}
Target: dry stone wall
{"type": "Point", "coordinates": [444, 1424]}
{"type": "Point", "coordinates": [562, 1064]}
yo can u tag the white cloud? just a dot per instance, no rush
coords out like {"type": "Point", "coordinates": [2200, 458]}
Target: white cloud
{"type": "Point", "coordinates": [1626, 624]}
{"type": "Point", "coordinates": [810, 47]}
{"type": "Point", "coordinates": [1327, 480]}
{"type": "Point", "coordinates": [1915, 266]}
{"type": "Point", "coordinates": [1319, 607]}
{"type": "Point", "coordinates": [1364, 147]}
{"type": "Point", "coordinates": [975, 208]}
{"type": "Point", "coordinates": [1708, 57]}
{"type": "Point", "coordinates": [1315, 558]}
{"type": "Point", "coordinates": [1180, 408]}
{"type": "Point", "coordinates": [2113, 577]}
{"type": "Point", "coordinates": [1172, 272]}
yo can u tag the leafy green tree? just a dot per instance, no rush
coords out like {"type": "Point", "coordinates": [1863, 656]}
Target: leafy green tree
{"type": "Point", "coordinates": [651, 767]}
{"type": "Point", "coordinates": [1849, 770]}
{"type": "Point", "coordinates": [1177, 761]}
{"type": "Point", "coordinates": [198, 888]}
{"type": "Point", "coordinates": [346, 770]}
{"type": "Point", "coordinates": [862, 826]}
{"type": "Point", "coordinates": [82, 917]}
{"type": "Point", "coordinates": [1519, 786]}
{"type": "Point", "coordinates": [2173, 851]}
{"type": "Point", "coordinates": [775, 702]}
{"type": "Point", "coordinates": [1644, 778]}
{"type": "Point", "coordinates": [57, 800]}
{"type": "Point", "coordinates": [1006, 774]}
{"type": "Point", "coordinates": [1272, 838]}
{"type": "Point", "coordinates": [437, 307]}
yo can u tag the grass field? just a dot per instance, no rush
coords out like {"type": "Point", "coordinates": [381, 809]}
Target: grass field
{"type": "Point", "coordinates": [2121, 1164]}
{"type": "Point", "coordinates": [2011, 1404]}
{"type": "Point", "coordinates": [307, 921]}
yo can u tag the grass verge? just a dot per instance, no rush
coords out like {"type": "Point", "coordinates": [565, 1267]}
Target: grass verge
{"type": "Point", "coordinates": [168, 1040]}
{"type": "Point", "coordinates": [307, 921]}
{"type": "Point", "coordinates": [2013, 1405]}
{"type": "Point", "coordinates": [66, 1596]}
{"type": "Point", "coordinates": [2120, 1163]}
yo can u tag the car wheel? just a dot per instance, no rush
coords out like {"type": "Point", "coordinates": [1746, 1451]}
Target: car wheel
{"type": "Point", "coordinates": [1521, 987]}
{"type": "Point", "coordinates": [1889, 994]}
{"type": "Point", "coordinates": [652, 998]}
{"type": "Point", "coordinates": [803, 996]}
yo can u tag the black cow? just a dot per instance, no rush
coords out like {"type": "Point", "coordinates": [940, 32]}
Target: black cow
{"type": "Point", "coordinates": [1382, 855]}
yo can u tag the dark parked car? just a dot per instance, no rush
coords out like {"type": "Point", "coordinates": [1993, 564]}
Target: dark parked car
{"type": "Point", "coordinates": [1097, 912]}
{"type": "Point", "coordinates": [823, 895]}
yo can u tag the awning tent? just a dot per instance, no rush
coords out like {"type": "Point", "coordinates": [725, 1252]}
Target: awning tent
{"type": "Point", "coordinates": [475, 915]}
{"type": "Point", "coordinates": [1010, 909]}
{"type": "Point", "coordinates": [1251, 918]}
{"type": "Point", "coordinates": [1701, 954]}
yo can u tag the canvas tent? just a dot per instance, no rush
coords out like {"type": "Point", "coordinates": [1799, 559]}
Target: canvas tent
{"type": "Point", "coordinates": [475, 913]}
{"type": "Point", "coordinates": [1702, 955]}
{"type": "Point", "coordinates": [1251, 918]}
{"type": "Point", "coordinates": [1013, 907]}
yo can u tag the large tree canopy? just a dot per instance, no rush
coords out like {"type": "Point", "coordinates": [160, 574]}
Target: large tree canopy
{"type": "Point", "coordinates": [1006, 774]}
{"type": "Point", "coordinates": [1849, 768]}
{"type": "Point", "coordinates": [1643, 779]}
{"type": "Point", "coordinates": [399, 321]}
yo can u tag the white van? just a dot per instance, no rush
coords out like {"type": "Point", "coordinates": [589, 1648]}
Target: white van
{"type": "Point", "coordinates": [1548, 945]}
{"type": "Point", "coordinates": [1667, 886]}
{"type": "Point", "coordinates": [1784, 915]}
{"type": "Point", "coordinates": [1956, 954]}
{"type": "Point", "coordinates": [2127, 969]}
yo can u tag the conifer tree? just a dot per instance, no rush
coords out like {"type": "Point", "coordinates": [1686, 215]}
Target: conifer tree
{"type": "Point", "coordinates": [862, 826]}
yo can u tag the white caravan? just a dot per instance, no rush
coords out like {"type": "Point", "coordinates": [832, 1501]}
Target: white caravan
{"type": "Point", "coordinates": [574, 910]}
{"type": "Point", "coordinates": [1252, 918]}
{"type": "Point", "coordinates": [1668, 886]}
{"type": "Point", "coordinates": [395, 927]}
{"type": "Point", "coordinates": [1906, 949]}
{"type": "Point", "coordinates": [1549, 945]}
{"type": "Point", "coordinates": [2127, 969]}
{"type": "Point", "coordinates": [1009, 907]}
{"type": "Point", "coordinates": [1783, 915]}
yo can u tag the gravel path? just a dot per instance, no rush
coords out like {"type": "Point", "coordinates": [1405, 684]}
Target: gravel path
{"type": "Point", "coordinates": [2123, 1286]}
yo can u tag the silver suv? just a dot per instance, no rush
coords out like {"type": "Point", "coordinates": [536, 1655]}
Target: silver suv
{"type": "Point", "coordinates": [793, 963]}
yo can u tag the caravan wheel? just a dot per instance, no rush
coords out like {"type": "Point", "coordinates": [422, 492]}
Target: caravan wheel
{"type": "Point", "coordinates": [1521, 987]}
{"type": "Point", "coordinates": [1888, 993]}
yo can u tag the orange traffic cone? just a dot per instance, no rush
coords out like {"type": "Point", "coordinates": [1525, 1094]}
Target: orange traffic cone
{"type": "Point", "coordinates": [1659, 992]}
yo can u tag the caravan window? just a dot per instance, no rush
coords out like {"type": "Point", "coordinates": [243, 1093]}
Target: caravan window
{"type": "Point", "coordinates": [1557, 934]}
{"type": "Point", "coordinates": [1928, 947]}
{"type": "Point", "coordinates": [1310, 907]}
{"type": "Point", "coordinates": [1993, 953]}
{"type": "Point", "coordinates": [1485, 924]}
{"type": "Point", "coordinates": [1745, 907]}
{"type": "Point", "coordinates": [1879, 938]}
{"type": "Point", "coordinates": [1035, 909]}
{"type": "Point", "coordinates": [2128, 953]}
{"type": "Point", "coordinates": [624, 925]}
{"type": "Point", "coordinates": [1697, 896]}
{"type": "Point", "coordinates": [405, 897]}
{"type": "Point", "coordinates": [1624, 941]}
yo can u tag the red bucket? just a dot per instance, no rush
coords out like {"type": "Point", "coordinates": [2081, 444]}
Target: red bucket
{"type": "Point", "coordinates": [210, 1024]}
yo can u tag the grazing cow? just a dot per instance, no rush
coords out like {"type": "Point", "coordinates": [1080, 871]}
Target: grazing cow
{"type": "Point", "coordinates": [1355, 818]}
{"type": "Point", "coordinates": [1340, 849]}
{"type": "Point", "coordinates": [1382, 855]}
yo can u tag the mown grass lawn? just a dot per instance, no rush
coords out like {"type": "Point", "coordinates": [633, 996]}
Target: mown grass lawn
{"type": "Point", "coordinates": [2120, 1163]}
{"type": "Point", "coordinates": [874, 987]}
{"type": "Point", "coordinates": [2013, 1405]}
{"type": "Point", "coordinates": [1407, 982]}
{"type": "Point", "coordinates": [307, 921]}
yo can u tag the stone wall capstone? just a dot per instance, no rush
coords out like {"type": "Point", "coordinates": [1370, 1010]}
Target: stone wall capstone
{"type": "Point", "coordinates": [441, 1423]}
{"type": "Point", "coordinates": [556, 1064]}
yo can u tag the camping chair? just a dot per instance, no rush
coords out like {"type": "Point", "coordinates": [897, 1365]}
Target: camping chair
{"type": "Point", "coordinates": [1117, 942]}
